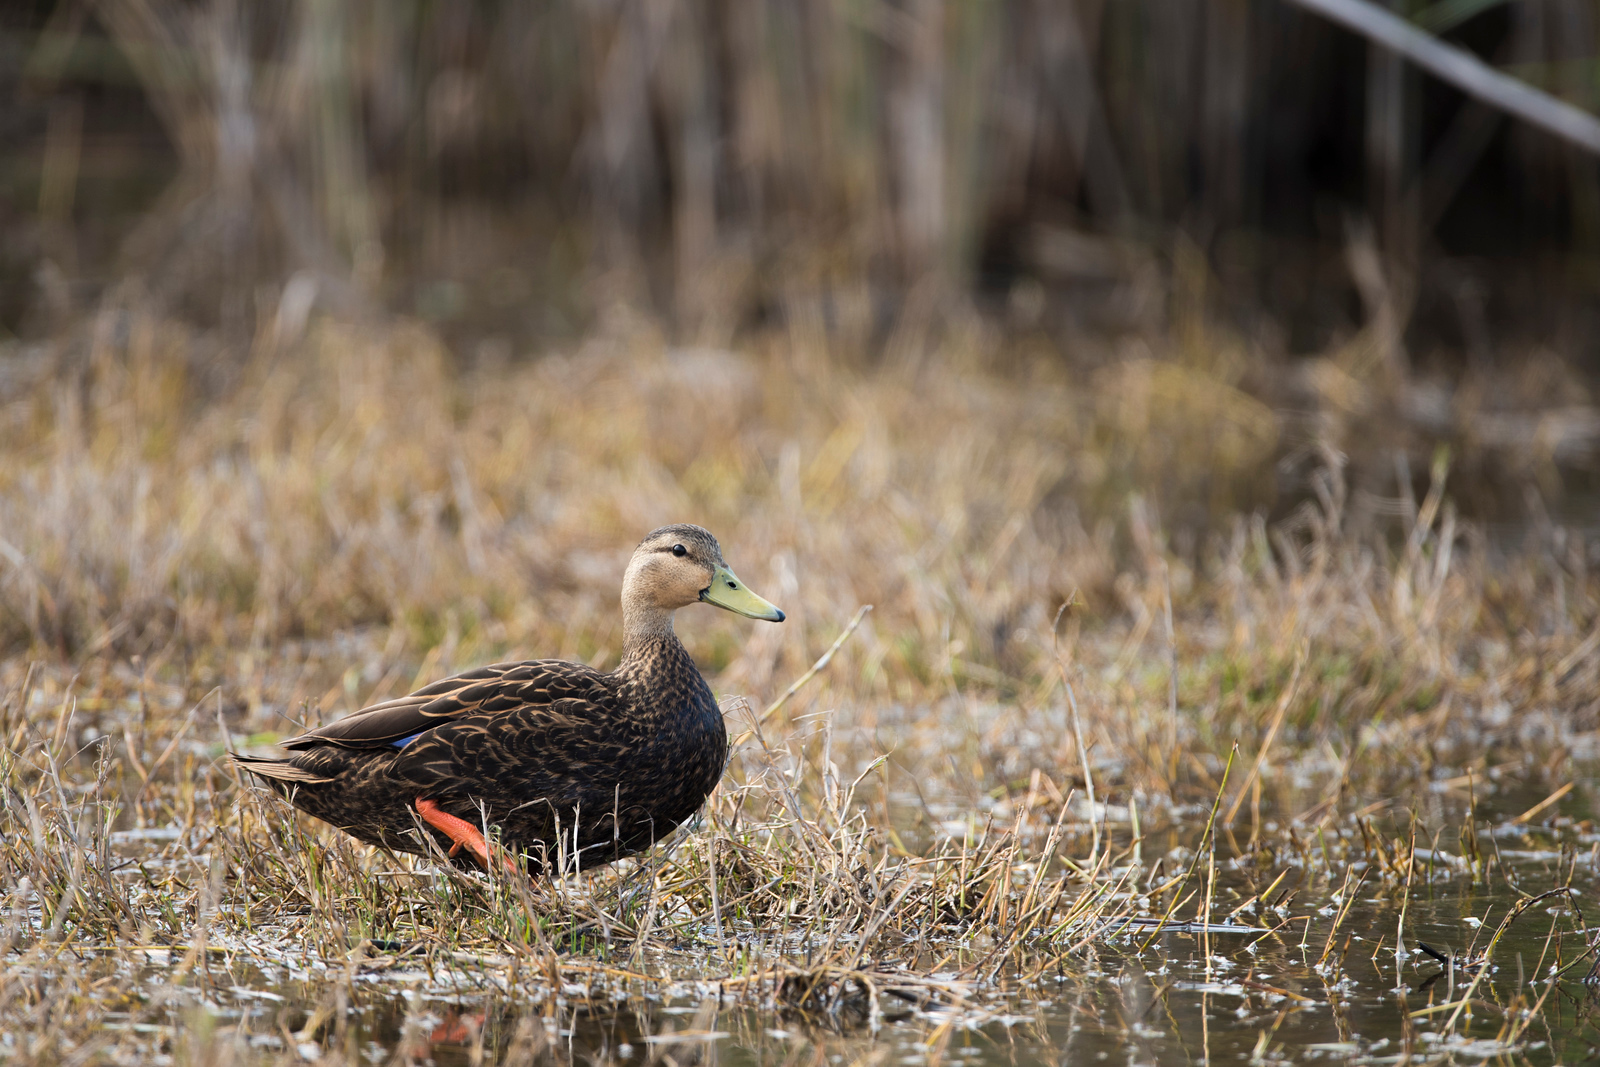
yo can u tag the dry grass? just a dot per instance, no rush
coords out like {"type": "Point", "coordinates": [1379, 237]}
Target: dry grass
{"type": "Point", "coordinates": [186, 566]}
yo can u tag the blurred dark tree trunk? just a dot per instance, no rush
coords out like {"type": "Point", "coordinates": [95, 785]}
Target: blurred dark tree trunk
{"type": "Point", "coordinates": [718, 163]}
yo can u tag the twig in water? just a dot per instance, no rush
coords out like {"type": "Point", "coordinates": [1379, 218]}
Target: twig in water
{"type": "Point", "coordinates": [1405, 903]}
{"type": "Point", "coordinates": [1348, 899]}
{"type": "Point", "coordinates": [1545, 803]}
{"type": "Point", "coordinates": [1211, 823]}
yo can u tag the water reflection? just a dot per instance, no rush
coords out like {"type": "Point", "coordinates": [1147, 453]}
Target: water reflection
{"type": "Point", "coordinates": [1303, 992]}
{"type": "Point", "coordinates": [1304, 960]}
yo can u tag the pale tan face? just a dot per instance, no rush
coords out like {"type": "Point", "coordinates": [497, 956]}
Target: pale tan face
{"type": "Point", "coordinates": [671, 568]}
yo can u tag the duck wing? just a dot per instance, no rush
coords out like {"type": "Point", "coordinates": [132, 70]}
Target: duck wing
{"type": "Point", "coordinates": [497, 689]}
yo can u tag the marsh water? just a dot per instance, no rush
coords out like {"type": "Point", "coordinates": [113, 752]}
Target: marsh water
{"type": "Point", "coordinates": [1324, 985]}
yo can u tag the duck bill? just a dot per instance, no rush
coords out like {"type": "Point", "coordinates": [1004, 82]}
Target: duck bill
{"type": "Point", "coordinates": [727, 591]}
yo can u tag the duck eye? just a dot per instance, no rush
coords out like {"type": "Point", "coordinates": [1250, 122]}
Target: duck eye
{"type": "Point", "coordinates": [679, 550]}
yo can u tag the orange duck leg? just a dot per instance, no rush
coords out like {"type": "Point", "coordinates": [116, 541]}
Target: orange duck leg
{"type": "Point", "coordinates": [460, 831]}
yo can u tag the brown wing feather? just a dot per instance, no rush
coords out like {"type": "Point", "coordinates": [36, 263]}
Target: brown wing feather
{"type": "Point", "coordinates": [494, 690]}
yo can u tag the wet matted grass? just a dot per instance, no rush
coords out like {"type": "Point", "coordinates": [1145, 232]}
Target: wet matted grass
{"type": "Point", "coordinates": [1073, 787]}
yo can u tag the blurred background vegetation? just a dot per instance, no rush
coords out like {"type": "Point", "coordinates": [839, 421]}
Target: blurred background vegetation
{"type": "Point", "coordinates": [1242, 237]}
{"type": "Point", "coordinates": [1190, 364]}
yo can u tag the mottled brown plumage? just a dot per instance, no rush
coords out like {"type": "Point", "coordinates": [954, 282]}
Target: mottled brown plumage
{"type": "Point", "coordinates": [564, 762]}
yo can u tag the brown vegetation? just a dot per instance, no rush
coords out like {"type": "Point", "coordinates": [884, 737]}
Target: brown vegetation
{"type": "Point", "coordinates": [1149, 368]}
{"type": "Point", "coordinates": [186, 570]}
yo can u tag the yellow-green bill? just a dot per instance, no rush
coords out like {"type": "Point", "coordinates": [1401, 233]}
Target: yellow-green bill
{"type": "Point", "coordinates": [727, 591]}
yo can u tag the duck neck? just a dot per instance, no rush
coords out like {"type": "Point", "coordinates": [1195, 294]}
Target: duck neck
{"type": "Point", "coordinates": [644, 631]}
{"type": "Point", "coordinates": [656, 663]}
{"type": "Point", "coordinates": [650, 648]}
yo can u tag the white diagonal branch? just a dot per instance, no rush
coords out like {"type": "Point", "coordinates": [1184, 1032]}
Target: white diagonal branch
{"type": "Point", "coordinates": [1463, 70]}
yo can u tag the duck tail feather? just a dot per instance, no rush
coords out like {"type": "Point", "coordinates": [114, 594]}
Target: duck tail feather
{"type": "Point", "coordinates": [276, 769]}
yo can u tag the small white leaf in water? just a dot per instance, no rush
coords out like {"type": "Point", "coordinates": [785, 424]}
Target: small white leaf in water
{"type": "Point", "coordinates": [1470, 921]}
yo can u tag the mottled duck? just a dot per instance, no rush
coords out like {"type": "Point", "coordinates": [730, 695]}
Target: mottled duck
{"type": "Point", "coordinates": [566, 763]}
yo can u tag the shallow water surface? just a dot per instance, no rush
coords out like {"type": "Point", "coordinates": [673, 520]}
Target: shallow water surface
{"type": "Point", "coordinates": [1242, 997]}
{"type": "Point", "coordinates": [1298, 963]}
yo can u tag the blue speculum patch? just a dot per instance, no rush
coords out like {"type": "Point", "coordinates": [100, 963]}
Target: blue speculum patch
{"type": "Point", "coordinates": [404, 741]}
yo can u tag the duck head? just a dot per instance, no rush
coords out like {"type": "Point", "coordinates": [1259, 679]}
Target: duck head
{"type": "Point", "coordinates": [679, 565]}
